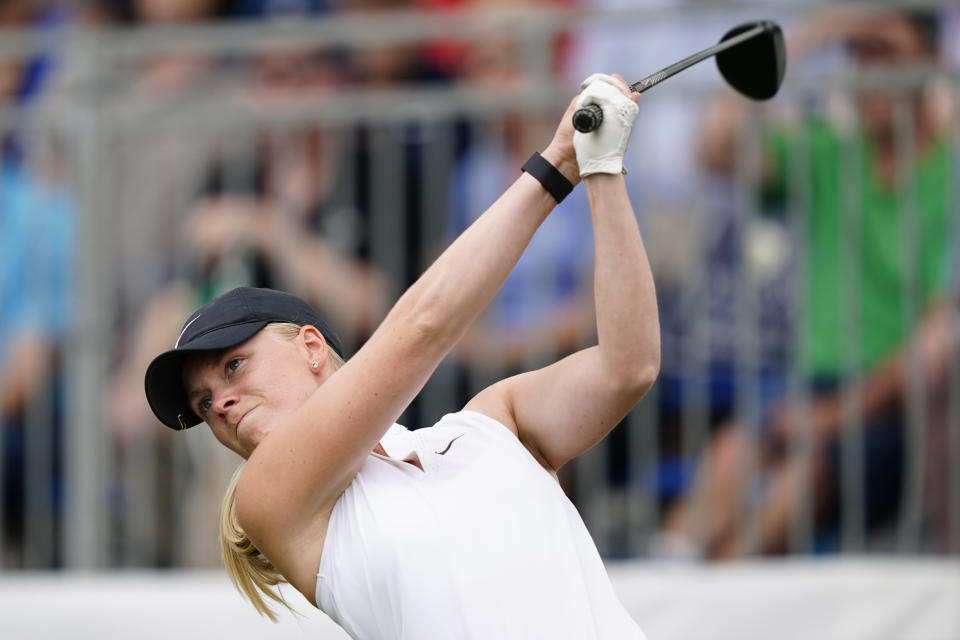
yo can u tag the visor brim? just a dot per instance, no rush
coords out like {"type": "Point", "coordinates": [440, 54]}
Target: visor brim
{"type": "Point", "coordinates": [163, 381]}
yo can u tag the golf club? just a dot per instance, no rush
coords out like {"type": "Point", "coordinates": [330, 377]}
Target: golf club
{"type": "Point", "coordinates": [751, 58]}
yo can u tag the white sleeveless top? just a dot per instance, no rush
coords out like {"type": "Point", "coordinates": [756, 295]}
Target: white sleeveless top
{"type": "Point", "coordinates": [480, 544]}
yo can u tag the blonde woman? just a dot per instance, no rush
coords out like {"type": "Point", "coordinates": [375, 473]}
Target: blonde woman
{"type": "Point", "coordinates": [459, 530]}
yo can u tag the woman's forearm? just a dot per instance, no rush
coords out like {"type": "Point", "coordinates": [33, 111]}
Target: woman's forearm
{"type": "Point", "coordinates": [466, 276]}
{"type": "Point", "coordinates": [459, 284]}
{"type": "Point", "coordinates": [628, 326]}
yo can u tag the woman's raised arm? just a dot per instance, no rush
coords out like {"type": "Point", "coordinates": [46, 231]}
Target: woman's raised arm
{"type": "Point", "coordinates": [307, 462]}
{"type": "Point", "coordinates": [562, 410]}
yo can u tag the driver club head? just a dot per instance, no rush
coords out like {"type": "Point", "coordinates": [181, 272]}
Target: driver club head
{"type": "Point", "coordinates": [756, 66]}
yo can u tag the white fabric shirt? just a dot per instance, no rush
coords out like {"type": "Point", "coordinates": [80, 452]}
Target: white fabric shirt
{"type": "Point", "coordinates": [480, 544]}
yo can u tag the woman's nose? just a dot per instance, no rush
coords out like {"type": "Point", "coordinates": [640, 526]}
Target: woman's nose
{"type": "Point", "coordinates": [223, 400]}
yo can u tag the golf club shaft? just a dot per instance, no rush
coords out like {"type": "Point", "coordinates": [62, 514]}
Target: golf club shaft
{"type": "Point", "coordinates": [590, 116]}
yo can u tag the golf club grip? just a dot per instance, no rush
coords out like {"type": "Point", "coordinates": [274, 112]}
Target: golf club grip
{"type": "Point", "coordinates": [588, 117]}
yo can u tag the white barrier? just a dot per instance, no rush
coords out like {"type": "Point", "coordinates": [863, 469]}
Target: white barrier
{"type": "Point", "coordinates": [848, 599]}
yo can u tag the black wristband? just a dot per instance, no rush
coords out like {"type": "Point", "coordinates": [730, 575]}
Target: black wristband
{"type": "Point", "coordinates": [552, 180]}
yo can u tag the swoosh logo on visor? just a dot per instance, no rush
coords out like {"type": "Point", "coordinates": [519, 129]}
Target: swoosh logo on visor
{"type": "Point", "coordinates": [177, 344]}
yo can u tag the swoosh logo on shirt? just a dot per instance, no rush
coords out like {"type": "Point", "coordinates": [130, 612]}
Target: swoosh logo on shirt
{"type": "Point", "coordinates": [449, 444]}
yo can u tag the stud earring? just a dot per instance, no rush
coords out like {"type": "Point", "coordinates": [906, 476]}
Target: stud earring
{"type": "Point", "coordinates": [314, 364]}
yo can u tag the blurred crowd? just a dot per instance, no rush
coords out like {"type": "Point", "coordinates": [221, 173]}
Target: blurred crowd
{"type": "Point", "coordinates": [805, 251]}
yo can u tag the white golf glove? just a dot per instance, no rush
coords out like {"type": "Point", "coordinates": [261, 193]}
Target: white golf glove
{"type": "Point", "coordinates": [601, 150]}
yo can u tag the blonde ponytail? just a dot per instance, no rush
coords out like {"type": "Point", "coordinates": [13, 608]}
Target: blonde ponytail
{"type": "Point", "coordinates": [251, 572]}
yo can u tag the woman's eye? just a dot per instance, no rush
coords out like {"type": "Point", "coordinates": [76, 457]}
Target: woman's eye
{"type": "Point", "coordinates": [233, 364]}
{"type": "Point", "coordinates": [205, 405]}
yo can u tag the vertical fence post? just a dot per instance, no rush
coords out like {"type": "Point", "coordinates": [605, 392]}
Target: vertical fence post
{"type": "Point", "coordinates": [851, 437]}
{"type": "Point", "coordinates": [747, 171]}
{"type": "Point", "coordinates": [799, 204]}
{"type": "Point", "coordinates": [916, 414]}
{"type": "Point", "coordinates": [951, 542]}
{"type": "Point", "coordinates": [84, 532]}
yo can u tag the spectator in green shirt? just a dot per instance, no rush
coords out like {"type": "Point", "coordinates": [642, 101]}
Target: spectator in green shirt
{"type": "Point", "coordinates": [873, 264]}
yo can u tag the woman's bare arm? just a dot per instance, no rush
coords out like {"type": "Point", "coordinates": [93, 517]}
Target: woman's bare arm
{"type": "Point", "coordinates": [562, 410]}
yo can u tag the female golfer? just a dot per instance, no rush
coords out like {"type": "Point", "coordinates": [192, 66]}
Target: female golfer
{"type": "Point", "coordinates": [460, 530]}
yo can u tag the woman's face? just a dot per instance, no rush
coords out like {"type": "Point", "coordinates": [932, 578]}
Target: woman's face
{"type": "Point", "coordinates": [244, 392]}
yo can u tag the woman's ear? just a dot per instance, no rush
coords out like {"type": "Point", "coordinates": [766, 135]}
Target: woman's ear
{"type": "Point", "coordinates": [314, 347]}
